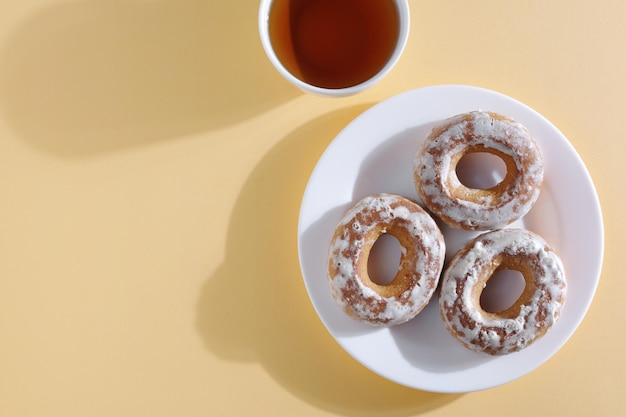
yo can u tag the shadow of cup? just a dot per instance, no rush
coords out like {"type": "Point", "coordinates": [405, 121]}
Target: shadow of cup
{"type": "Point", "coordinates": [91, 76]}
{"type": "Point", "coordinates": [254, 307]}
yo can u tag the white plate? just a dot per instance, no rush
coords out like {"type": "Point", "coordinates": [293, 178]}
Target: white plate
{"type": "Point", "coordinates": [374, 154]}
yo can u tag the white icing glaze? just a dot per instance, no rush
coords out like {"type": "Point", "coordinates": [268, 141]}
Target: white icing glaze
{"type": "Point", "coordinates": [537, 310]}
{"type": "Point", "coordinates": [420, 264]}
{"type": "Point", "coordinates": [435, 176]}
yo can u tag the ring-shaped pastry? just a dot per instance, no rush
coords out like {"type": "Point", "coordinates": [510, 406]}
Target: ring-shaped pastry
{"type": "Point", "coordinates": [421, 260]}
{"type": "Point", "coordinates": [536, 310]}
{"type": "Point", "coordinates": [462, 207]}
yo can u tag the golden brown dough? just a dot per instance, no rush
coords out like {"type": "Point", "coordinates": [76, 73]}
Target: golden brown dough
{"type": "Point", "coordinates": [529, 318]}
{"type": "Point", "coordinates": [421, 260]}
{"type": "Point", "coordinates": [467, 208]}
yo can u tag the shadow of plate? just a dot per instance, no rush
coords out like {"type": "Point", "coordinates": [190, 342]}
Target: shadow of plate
{"type": "Point", "coordinates": [255, 308]}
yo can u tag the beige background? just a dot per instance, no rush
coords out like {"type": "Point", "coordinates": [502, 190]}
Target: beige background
{"type": "Point", "coordinates": [151, 169]}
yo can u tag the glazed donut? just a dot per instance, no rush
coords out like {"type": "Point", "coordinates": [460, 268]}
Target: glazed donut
{"type": "Point", "coordinates": [421, 260]}
{"type": "Point", "coordinates": [529, 318]}
{"type": "Point", "coordinates": [466, 208]}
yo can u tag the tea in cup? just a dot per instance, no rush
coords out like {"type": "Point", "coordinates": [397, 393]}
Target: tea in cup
{"type": "Point", "coordinates": [334, 47]}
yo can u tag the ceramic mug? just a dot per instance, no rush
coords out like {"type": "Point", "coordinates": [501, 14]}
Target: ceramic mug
{"type": "Point", "coordinates": [334, 47]}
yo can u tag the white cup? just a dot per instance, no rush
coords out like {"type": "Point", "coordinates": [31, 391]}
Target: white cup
{"type": "Point", "coordinates": [402, 9]}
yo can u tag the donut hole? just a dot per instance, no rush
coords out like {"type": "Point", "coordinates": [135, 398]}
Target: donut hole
{"type": "Point", "coordinates": [480, 170]}
{"type": "Point", "coordinates": [502, 290]}
{"type": "Point", "coordinates": [384, 259]}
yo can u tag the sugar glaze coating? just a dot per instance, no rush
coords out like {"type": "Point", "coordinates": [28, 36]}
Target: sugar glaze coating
{"type": "Point", "coordinates": [529, 318]}
{"type": "Point", "coordinates": [421, 260]}
{"type": "Point", "coordinates": [478, 209]}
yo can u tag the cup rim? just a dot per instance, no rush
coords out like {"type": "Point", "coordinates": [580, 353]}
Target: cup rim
{"type": "Point", "coordinates": [403, 36]}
